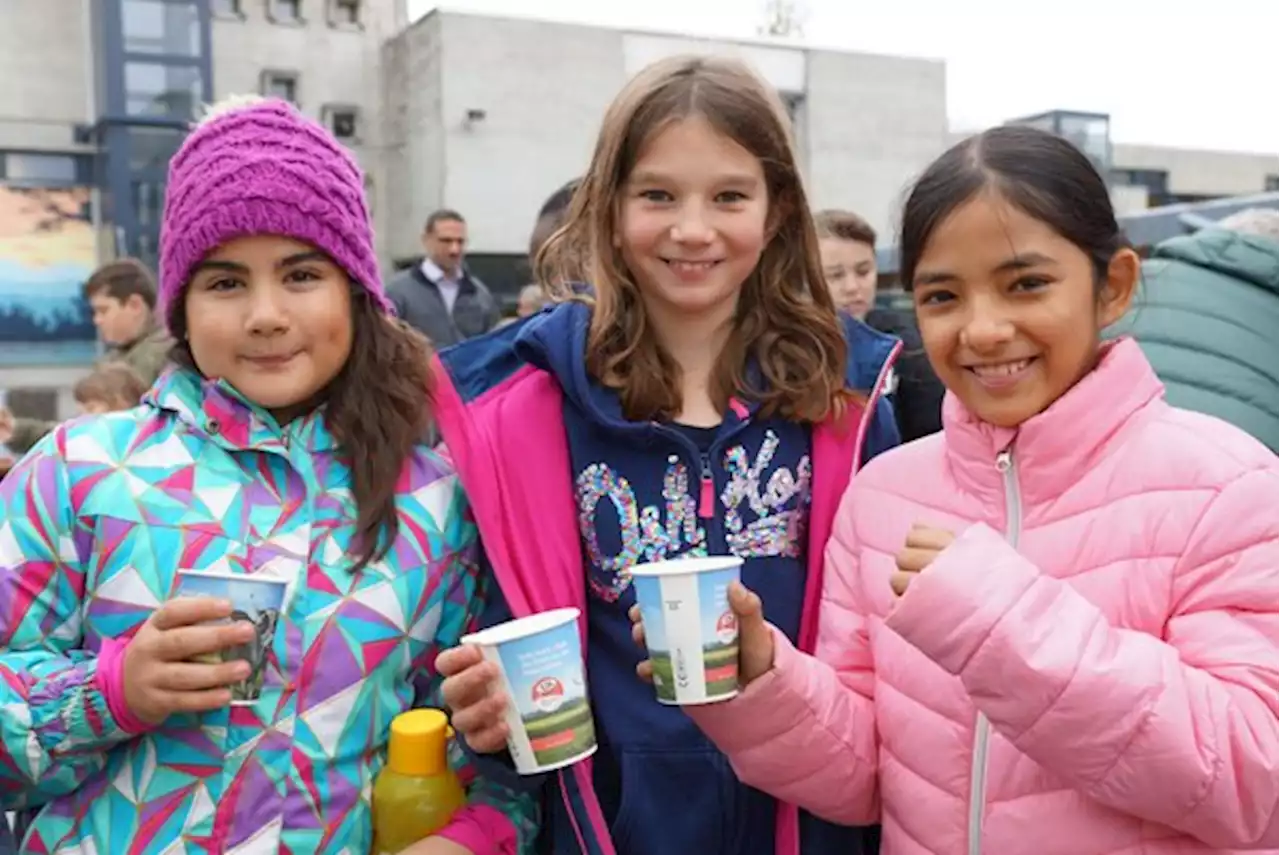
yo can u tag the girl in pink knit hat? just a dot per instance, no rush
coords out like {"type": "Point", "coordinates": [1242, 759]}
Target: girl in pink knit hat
{"type": "Point", "coordinates": [285, 445]}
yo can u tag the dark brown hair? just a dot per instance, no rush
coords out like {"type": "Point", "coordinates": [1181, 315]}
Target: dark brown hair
{"type": "Point", "coordinates": [121, 280]}
{"type": "Point", "coordinates": [1039, 173]}
{"type": "Point", "coordinates": [844, 225]}
{"type": "Point", "coordinates": [785, 320]}
{"type": "Point", "coordinates": [444, 215]}
{"type": "Point", "coordinates": [552, 216]}
{"type": "Point", "coordinates": [114, 384]}
{"type": "Point", "coordinates": [378, 408]}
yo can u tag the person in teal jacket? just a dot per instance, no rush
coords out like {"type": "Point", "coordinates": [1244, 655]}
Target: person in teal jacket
{"type": "Point", "coordinates": [285, 444]}
{"type": "Point", "coordinates": [1207, 321]}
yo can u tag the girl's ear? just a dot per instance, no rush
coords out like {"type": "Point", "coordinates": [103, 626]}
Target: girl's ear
{"type": "Point", "coordinates": [1124, 271]}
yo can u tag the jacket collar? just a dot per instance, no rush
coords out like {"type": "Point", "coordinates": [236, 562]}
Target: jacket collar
{"type": "Point", "coordinates": [216, 411]}
{"type": "Point", "coordinates": [1055, 448]}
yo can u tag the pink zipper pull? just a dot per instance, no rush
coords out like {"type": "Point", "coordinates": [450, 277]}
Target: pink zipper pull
{"type": "Point", "coordinates": [707, 497]}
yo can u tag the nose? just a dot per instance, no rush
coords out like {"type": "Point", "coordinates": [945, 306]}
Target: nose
{"type": "Point", "coordinates": [266, 311]}
{"type": "Point", "coordinates": [691, 225]}
{"type": "Point", "coordinates": [987, 328]}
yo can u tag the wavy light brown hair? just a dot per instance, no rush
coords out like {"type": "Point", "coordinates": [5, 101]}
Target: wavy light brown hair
{"type": "Point", "coordinates": [375, 409]}
{"type": "Point", "coordinates": [785, 322]}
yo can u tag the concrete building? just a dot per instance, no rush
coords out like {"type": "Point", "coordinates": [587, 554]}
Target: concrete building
{"type": "Point", "coordinates": [483, 114]}
{"type": "Point", "coordinates": [489, 115]}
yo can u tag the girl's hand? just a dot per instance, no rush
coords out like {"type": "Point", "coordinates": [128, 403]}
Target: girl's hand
{"type": "Point", "coordinates": [161, 679]}
{"type": "Point", "coordinates": [924, 543]}
{"type": "Point", "coordinates": [476, 707]}
{"type": "Point", "coordinates": [755, 637]}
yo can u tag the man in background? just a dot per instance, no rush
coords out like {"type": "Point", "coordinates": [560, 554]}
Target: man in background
{"type": "Point", "coordinates": [439, 297]}
{"type": "Point", "coordinates": [122, 297]}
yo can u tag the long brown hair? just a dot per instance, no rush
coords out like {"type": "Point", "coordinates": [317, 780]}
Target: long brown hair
{"type": "Point", "coordinates": [785, 320]}
{"type": "Point", "coordinates": [375, 408]}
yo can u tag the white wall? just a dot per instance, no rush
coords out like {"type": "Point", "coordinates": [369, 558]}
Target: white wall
{"type": "Point", "coordinates": [868, 123]}
{"type": "Point", "coordinates": [1193, 172]}
{"type": "Point", "coordinates": [544, 89]}
{"type": "Point", "coordinates": [45, 68]}
{"type": "Point", "coordinates": [873, 124]}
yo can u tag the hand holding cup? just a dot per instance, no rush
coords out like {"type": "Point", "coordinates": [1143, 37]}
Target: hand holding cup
{"type": "Point", "coordinates": [160, 676]}
{"type": "Point", "coordinates": [755, 637]}
{"type": "Point", "coordinates": [476, 705]}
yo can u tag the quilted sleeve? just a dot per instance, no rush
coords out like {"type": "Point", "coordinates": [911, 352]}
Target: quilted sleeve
{"type": "Point", "coordinates": [498, 819]}
{"type": "Point", "coordinates": [805, 732]}
{"type": "Point", "coordinates": [55, 723]}
{"type": "Point", "coordinates": [1178, 729]}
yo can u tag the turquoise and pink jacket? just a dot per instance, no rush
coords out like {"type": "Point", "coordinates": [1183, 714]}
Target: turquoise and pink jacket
{"type": "Point", "coordinates": [95, 523]}
{"type": "Point", "coordinates": [1090, 668]}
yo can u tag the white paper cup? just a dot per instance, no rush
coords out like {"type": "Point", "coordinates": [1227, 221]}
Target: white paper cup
{"type": "Point", "coordinates": [255, 599]}
{"type": "Point", "coordinates": [549, 716]}
{"type": "Point", "coordinates": [691, 632]}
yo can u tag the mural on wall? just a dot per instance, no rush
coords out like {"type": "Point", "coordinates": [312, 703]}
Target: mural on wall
{"type": "Point", "coordinates": [46, 254]}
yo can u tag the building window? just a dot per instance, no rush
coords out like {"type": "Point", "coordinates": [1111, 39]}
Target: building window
{"type": "Point", "coordinates": [344, 13]}
{"type": "Point", "coordinates": [343, 121]}
{"type": "Point", "coordinates": [1272, 183]}
{"type": "Point", "coordinates": [158, 89]}
{"type": "Point", "coordinates": [151, 148]}
{"type": "Point", "coordinates": [226, 9]}
{"type": "Point", "coordinates": [1156, 182]}
{"type": "Point", "coordinates": [280, 84]}
{"type": "Point", "coordinates": [285, 11]}
{"type": "Point", "coordinates": [160, 27]}
{"type": "Point", "coordinates": [148, 203]}
{"type": "Point", "coordinates": [43, 168]}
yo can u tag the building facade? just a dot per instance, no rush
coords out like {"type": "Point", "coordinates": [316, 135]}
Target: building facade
{"type": "Point", "coordinates": [490, 115]}
{"type": "Point", "coordinates": [482, 114]}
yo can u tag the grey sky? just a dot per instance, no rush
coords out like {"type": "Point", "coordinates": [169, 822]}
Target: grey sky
{"type": "Point", "coordinates": [1190, 75]}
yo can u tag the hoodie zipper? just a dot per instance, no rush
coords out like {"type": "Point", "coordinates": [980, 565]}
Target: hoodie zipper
{"type": "Point", "coordinates": [707, 494]}
{"type": "Point", "coordinates": [1008, 470]}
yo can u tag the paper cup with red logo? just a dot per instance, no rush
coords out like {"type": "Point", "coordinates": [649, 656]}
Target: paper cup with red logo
{"type": "Point", "coordinates": [549, 716]}
{"type": "Point", "coordinates": [691, 632]}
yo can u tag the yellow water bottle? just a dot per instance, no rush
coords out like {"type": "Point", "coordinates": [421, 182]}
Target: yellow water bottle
{"type": "Point", "coordinates": [416, 793]}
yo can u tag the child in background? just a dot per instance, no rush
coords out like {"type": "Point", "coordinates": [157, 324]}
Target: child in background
{"type": "Point", "coordinates": [1051, 629]}
{"type": "Point", "coordinates": [285, 443]}
{"type": "Point", "coordinates": [111, 387]}
{"type": "Point", "coordinates": [696, 394]}
{"type": "Point", "coordinates": [848, 246]}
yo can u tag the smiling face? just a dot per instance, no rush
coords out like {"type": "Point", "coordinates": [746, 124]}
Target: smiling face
{"type": "Point", "coordinates": [272, 317]}
{"type": "Point", "coordinates": [693, 221]}
{"type": "Point", "coordinates": [1010, 311]}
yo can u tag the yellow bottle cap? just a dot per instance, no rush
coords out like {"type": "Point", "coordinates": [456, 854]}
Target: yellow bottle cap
{"type": "Point", "coordinates": [418, 743]}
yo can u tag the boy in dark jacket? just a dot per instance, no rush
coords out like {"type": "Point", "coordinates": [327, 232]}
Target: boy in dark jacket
{"type": "Point", "coordinates": [848, 246]}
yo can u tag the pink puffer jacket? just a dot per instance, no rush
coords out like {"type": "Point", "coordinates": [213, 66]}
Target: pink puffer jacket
{"type": "Point", "coordinates": [1090, 668]}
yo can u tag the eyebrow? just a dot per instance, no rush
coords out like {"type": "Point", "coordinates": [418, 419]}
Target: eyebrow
{"type": "Point", "coordinates": [1009, 265]}
{"type": "Point", "coordinates": [731, 178]}
{"type": "Point", "coordinates": [236, 267]}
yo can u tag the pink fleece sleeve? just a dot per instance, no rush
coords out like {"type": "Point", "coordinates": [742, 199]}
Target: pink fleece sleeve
{"type": "Point", "coordinates": [109, 680]}
{"type": "Point", "coordinates": [482, 829]}
{"type": "Point", "coordinates": [805, 732]}
{"type": "Point", "coordinates": [1180, 729]}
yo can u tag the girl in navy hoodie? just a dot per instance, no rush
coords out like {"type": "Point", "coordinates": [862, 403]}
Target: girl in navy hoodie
{"type": "Point", "coordinates": [697, 395]}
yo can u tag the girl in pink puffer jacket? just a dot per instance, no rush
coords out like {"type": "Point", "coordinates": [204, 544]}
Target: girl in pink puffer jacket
{"type": "Point", "coordinates": [1052, 628]}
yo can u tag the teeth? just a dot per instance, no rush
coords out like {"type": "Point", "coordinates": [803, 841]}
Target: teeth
{"type": "Point", "coordinates": [692, 266]}
{"type": "Point", "coordinates": [1004, 369]}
